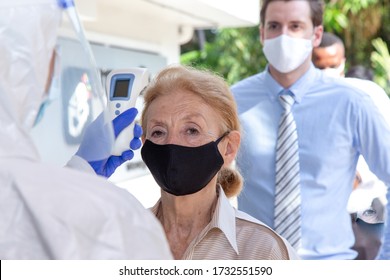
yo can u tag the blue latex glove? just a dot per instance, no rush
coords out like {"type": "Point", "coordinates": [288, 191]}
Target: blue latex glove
{"type": "Point", "coordinates": [95, 142]}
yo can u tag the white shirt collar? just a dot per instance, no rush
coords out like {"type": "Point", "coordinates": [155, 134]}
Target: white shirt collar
{"type": "Point", "coordinates": [225, 218]}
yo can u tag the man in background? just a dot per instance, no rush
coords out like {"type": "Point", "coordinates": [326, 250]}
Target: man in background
{"type": "Point", "coordinates": [366, 203]}
{"type": "Point", "coordinates": [304, 132]}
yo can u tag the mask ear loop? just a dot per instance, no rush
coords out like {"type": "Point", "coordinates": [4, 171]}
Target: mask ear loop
{"type": "Point", "coordinates": [52, 88]}
{"type": "Point", "coordinates": [55, 79]}
{"type": "Point", "coordinates": [220, 138]}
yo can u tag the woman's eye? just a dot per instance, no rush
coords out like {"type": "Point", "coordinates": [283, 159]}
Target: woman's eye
{"type": "Point", "coordinates": [192, 131]}
{"type": "Point", "coordinates": [157, 133]}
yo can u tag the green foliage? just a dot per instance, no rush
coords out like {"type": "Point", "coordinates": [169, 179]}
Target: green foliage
{"type": "Point", "coordinates": [355, 6]}
{"type": "Point", "coordinates": [336, 12]}
{"type": "Point", "coordinates": [364, 26]}
{"type": "Point", "coordinates": [381, 62]}
{"type": "Point", "coordinates": [235, 53]}
{"type": "Point", "coordinates": [335, 18]}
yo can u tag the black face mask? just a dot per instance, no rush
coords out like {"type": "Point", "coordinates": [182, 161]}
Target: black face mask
{"type": "Point", "coordinates": [181, 170]}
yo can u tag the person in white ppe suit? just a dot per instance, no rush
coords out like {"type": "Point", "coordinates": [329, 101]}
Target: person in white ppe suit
{"type": "Point", "coordinates": [50, 212]}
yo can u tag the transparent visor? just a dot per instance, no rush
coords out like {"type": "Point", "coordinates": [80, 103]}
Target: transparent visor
{"type": "Point", "coordinates": [84, 100]}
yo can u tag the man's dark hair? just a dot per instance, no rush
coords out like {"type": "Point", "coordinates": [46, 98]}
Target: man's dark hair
{"type": "Point", "coordinates": [316, 8]}
{"type": "Point", "coordinates": [329, 39]}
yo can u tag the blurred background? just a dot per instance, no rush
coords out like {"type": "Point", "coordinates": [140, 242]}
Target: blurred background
{"type": "Point", "coordinates": [363, 25]}
{"type": "Point", "coordinates": [221, 35]}
{"type": "Point", "coordinates": [124, 34]}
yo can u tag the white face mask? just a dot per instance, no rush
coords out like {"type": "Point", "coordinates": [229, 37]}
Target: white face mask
{"type": "Point", "coordinates": [335, 72]}
{"type": "Point", "coordinates": [286, 53]}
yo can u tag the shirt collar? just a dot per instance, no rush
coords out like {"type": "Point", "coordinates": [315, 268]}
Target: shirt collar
{"type": "Point", "coordinates": [273, 87]}
{"type": "Point", "coordinates": [298, 89]}
{"type": "Point", "coordinates": [224, 218]}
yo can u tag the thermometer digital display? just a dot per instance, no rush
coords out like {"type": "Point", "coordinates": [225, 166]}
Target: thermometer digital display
{"type": "Point", "coordinates": [123, 88]}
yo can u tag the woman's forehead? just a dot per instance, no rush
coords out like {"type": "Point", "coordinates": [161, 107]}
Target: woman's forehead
{"type": "Point", "coordinates": [175, 100]}
{"type": "Point", "coordinates": [183, 105]}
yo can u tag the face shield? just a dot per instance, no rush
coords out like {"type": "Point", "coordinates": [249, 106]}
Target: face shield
{"type": "Point", "coordinates": [83, 94]}
{"type": "Point", "coordinates": [28, 32]}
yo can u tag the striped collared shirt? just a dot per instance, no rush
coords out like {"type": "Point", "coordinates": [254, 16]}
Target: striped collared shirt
{"type": "Point", "coordinates": [234, 235]}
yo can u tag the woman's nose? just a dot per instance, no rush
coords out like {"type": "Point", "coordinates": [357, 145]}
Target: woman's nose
{"type": "Point", "coordinates": [172, 138]}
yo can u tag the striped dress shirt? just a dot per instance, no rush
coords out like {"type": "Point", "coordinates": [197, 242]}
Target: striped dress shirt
{"type": "Point", "coordinates": [234, 235]}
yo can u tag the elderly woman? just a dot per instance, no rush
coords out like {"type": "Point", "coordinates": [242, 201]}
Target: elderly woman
{"type": "Point", "coordinates": [191, 138]}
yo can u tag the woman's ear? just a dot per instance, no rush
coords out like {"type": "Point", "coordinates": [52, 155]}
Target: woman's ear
{"type": "Point", "coordinates": [230, 149]}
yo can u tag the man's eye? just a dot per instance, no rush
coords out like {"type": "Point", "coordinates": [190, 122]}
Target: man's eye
{"type": "Point", "coordinates": [296, 27]}
{"type": "Point", "coordinates": [272, 26]}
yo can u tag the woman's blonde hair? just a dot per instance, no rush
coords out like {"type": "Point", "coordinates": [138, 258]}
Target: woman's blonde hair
{"type": "Point", "coordinates": [215, 92]}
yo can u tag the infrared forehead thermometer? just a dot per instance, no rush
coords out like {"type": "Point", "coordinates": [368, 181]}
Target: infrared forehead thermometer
{"type": "Point", "coordinates": [123, 88]}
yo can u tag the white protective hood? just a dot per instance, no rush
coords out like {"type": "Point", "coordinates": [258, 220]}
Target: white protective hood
{"type": "Point", "coordinates": [24, 68]}
{"type": "Point", "coordinates": [46, 211]}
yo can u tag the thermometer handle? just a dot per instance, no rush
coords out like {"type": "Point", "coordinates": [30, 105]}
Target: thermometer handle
{"type": "Point", "coordinates": [123, 88]}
